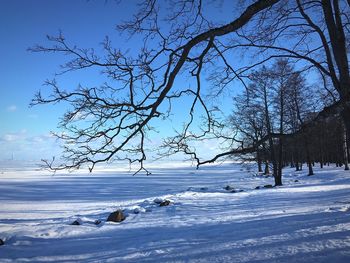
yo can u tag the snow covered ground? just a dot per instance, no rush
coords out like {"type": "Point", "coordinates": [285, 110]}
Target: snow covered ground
{"type": "Point", "coordinates": [306, 220]}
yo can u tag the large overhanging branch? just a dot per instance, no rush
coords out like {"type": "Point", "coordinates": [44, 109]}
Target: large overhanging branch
{"type": "Point", "coordinates": [292, 36]}
{"type": "Point", "coordinates": [120, 122]}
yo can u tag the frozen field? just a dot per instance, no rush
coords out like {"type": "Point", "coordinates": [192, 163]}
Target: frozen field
{"type": "Point", "coordinates": [306, 220]}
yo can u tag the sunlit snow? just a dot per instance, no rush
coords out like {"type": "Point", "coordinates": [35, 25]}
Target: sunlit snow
{"type": "Point", "coordinates": [307, 219]}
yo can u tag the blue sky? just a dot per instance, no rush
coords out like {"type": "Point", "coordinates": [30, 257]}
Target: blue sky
{"type": "Point", "coordinates": [22, 25]}
{"type": "Point", "coordinates": [24, 131]}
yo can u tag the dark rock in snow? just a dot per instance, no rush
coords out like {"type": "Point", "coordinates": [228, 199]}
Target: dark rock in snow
{"type": "Point", "coordinates": [268, 186]}
{"type": "Point", "coordinates": [97, 222]}
{"type": "Point", "coordinates": [158, 200]}
{"type": "Point", "coordinates": [295, 181]}
{"type": "Point", "coordinates": [165, 203]}
{"type": "Point", "coordinates": [258, 187]}
{"type": "Point", "coordinates": [138, 210]}
{"type": "Point", "coordinates": [2, 242]}
{"type": "Point", "coordinates": [76, 223]}
{"type": "Point", "coordinates": [229, 188]}
{"type": "Point", "coordinates": [237, 191]}
{"type": "Point", "coordinates": [117, 216]}
{"type": "Point", "coordinates": [203, 188]}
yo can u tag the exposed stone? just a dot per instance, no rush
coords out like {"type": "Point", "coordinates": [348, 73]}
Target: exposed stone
{"type": "Point", "coordinates": [117, 216]}
{"type": "Point", "coordinates": [229, 188]}
{"type": "Point", "coordinates": [138, 210]}
{"type": "Point", "coordinates": [2, 242]}
{"type": "Point", "coordinates": [295, 181]}
{"type": "Point", "coordinates": [97, 222]}
{"type": "Point", "coordinates": [76, 223]}
{"type": "Point", "coordinates": [165, 203]}
{"type": "Point", "coordinates": [258, 187]}
{"type": "Point", "coordinates": [237, 191]}
{"type": "Point", "coordinates": [203, 188]}
{"type": "Point", "coordinates": [268, 186]}
{"type": "Point", "coordinates": [158, 200]}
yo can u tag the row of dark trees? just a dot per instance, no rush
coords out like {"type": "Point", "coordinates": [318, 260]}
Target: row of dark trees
{"type": "Point", "coordinates": [276, 114]}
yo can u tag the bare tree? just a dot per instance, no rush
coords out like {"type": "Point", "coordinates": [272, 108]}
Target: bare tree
{"type": "Point", "coordinates": [275, 106]}
{"type": "Point", "coordinates": [144, 87]}
{"type": "Point", "coordinates": [248, 121]}
{"type": "Point", "coordinates": [293, 30]}
{"type": "Point", "coordinates": [315, 34]}
{"type": "Point", "coordinates": [120, 114]}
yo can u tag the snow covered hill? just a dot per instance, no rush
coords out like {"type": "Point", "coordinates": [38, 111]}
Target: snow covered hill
{"type": "Point", "coordinates": [215, 215]}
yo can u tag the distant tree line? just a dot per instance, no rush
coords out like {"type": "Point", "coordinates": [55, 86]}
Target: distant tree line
{"type": "Point", "coordinates": [276, 116]}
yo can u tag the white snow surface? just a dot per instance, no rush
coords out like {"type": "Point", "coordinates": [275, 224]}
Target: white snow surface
{"type": "Point", "coordinates": [305, 220]}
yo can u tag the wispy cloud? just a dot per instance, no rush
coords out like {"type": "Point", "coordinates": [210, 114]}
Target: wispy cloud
{"type": "Point", "coordinates": [41, 138]}
{"type": "Point", "coordinates": [23, 137]}
{"type": "Point", "coordinates": [28, 146]}
{"type": "Point", "coordinates": [15, 136]}
{"type": "Point", "coordinates": [9, 137]}
{"type": "Point", "coordinates": [11, 108]}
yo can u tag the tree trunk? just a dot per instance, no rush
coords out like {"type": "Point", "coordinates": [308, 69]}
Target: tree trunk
{"type": "Point", "coordinates": [280, 159]}
{"type": "Point", "coordinates": [311, 171]}
{"type": "Point", "coordinates": [278, 180]}
{"type": "Point", "coordinates": [272, 156]}
{"type": "Point", "coordinates": [345, 147]}
{"type": "Point", "coordinates": [308, 158]}
{"type": "Point", "coordinates": [258, 156]}
{"type": "Point", "coordinates": [322, 146]}
{"type": "Point", "coordinates": [297, 167]}
{"type": "Point", "coordinates": [267, 168]}
{"type": "Point", "coordinates": [292, 164]}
